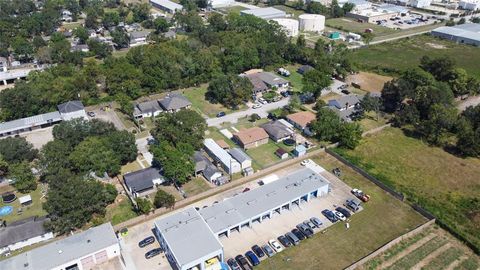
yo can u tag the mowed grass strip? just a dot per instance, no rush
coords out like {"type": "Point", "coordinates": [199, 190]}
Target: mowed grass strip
{"type": "Point", "coordinates": [403, 54]}
{"type": "Point", "coordinates": [419, 254]}
{"type": "Point", "coordinates": [440, 182]}
{"type": "Point", "coordinates": [443, 260]}
{"type": "Point", "coordinates": [383, 219]}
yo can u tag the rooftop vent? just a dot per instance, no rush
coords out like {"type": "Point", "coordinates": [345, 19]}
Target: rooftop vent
{"type": "Point", "coordinates": [60, 251]}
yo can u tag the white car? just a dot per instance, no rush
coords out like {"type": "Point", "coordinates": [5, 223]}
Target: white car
{"type": "Point", "coordinates": [305, 162]}
{"type": "Point", "coordinates": [256, 106]}
{"type": "Point", "coordinates": [339, 215]}
{"type": "Point", "coordinates": [275, 245]}
{"type": "Point", "coordinates": [262, 100]}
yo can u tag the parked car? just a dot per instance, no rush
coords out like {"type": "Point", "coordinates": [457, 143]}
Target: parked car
{"type": "Point", "coordinates": [256, 106]}
{"type": "Point", "coordinates": [147, 241]}
{"type": "Point", "coordinates": [284, 93]}
{"type": "Point", "coordinates": [286, 242]}
{"type": "Point", "coordinates": [221, 114]}
{"type": "Point", "coordinates": [268, 250]}
{"type": "Point", "coordinates": [359, 194]}
{"type": "Point", "coordinates": [307, 231]}
{"type": "Point", "coordinates": [299, 234]}
{"type": "Point", "coordinates": [258, 251]}
{"type": "Point", "coordinates": [339, 215]}
{"type": "Point", "coordinates": [309, 224]}
{"type": "Point", "coordinates": [345, 91]}
{"type": "Point", "coordinates": [330, 215]}
{"type": "Point", "coordinates": [316, 221]}
{"type": "Point", "coordinates": [252, 258]}
{"type": "Point", "coordinates": [262, 100]}
{"type": "Point", "coordinates": [152, 253]}
{"type": "Point", "coordinates": [353, 204]}
{"type": "Point", "coordinates": [243, 262]}
{"type": "Point", "coordinates": [91, 114]}
{"type": "Point", "coordinates": [305, 162]}
{"type": "Point", "coordinates": [275, 245]}
{"type": "Point", "coordinates": [344, 211]}
{"type": "Point", "coordinates": [233, 264]}
{"type": "Point", "coordinates": [293, 238]}
{"type": "Point", "coordinates": [245, 190]}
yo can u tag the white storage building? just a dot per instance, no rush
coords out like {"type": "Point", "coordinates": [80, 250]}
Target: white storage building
{"type": "Point", "coordinates": [242, 157]}
{"type": "Point", "coordinates": [312, 22]}
{"type": "Point", "coordinates": [220, 155]}
{"type": "Point", "coordinates": [289, 25]}
{"type": "Point", "coordinates": [265, 13]}
{"type": "Point", "coordinates": [221, 3]}
{"type": "Point", "coordinates": [166, 5]}
{"type": "Point", "coordinates": [468, 33]}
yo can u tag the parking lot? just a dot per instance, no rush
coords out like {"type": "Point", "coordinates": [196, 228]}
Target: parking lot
{"type": "Point", "coordinates": [240, 242]}
{"type": "Point", "coordinates": [39, 137]}
{"type": "Point", "coordinates": [409, 21]}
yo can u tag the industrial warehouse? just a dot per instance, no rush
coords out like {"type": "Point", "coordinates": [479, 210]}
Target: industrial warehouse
{"type": "Point", "coordinates": [190, 237]}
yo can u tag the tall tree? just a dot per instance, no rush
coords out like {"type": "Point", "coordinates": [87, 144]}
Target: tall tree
{"type": "Point", "coordinates": [21, 174]}
{"type": "Point", "coordinates": [229, 90]}
{"type": "Point", "coordinates": [163, 199]}
{"type": "Point", "coordinates": [349, 135]}
{"type": "Point", "coordinates": [314, 81]}
{"type": "Point", "coordinates": [176, 161]}
{"type": "Point", "coordinates": [17, 149]}
{"type": "Point", "coordinates": [94, 155]}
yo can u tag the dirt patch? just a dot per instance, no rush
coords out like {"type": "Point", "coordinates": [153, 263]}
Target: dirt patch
{"type": "Point", "coordinates": [436, 46]}
{"type": "Point", "coordinates": [369, 82]}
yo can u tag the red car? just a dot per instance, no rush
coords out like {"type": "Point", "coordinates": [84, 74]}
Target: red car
{"type": "Point", "coordinates": [359, 194]}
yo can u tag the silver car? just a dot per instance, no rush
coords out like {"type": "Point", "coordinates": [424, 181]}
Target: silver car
{"type": "Point", "coordinates": [316, 221]}
{"type": "Point", "coordinates": [268, 250]}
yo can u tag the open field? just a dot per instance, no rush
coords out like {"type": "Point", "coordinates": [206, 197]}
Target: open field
{"type": "Point", "coordinates": [350, 25]}
{"type": "Point", "coordinates": [295, 77]}
{"type": "Point", "coordinates": [369, 82]}
{"type": "Point", "coordinates": [195, 186]}
{"type": "Point", "coordinates": [383, 219]}
{"type": "Point", "coordinates": [34, 209]}
{"type": "Point", "coordinates": [370, 122]}
{"type": "Point", "coordinates": [264, 155]}
{"type": "Point", "coordinates": [400, 55]}
{"type": "Point", "coordinates": [433, 249]}
{"type": "Point", "coordinates": [445, 185]}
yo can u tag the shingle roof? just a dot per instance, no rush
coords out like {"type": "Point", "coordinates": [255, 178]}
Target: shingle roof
{"type": "Point", "coordinates": [142, 179]}
{"type": "Point", "coordinates": [70, 106]}
{"type": "Point", "coordinates": [201, 162]}
{"type": "Point", "coordinates": [302, 118]}
{"type": "Point", "coordinates": [22, 230]}
{"type": "Point", "coordinates": [63, 251]}
{"type": "Point", "coordinates": [139, 34]}
{"type": "Point", "coordinates": [174, 102]}
{"type": "Point", "coordinates": [239, 155]}
{"type": "Point", "coordinates": [342, 102]}
{"type": "Point", "coordinates": [210, 170]}
{"type": "Point", "coordinates": [146, 107]}
{"type": "Point", "coordinates": [277, 130]}
{"type": "Point", "coordinates": [271, 79]}
{"type": "Point", "coordinates": [251, 135]}
{"type": "Point", "coordinates": [258, 84]}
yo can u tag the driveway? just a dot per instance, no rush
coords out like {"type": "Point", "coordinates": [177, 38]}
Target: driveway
{"type": "Point", "coordinates": [233, 117]}
{"type": "Point", "coordinates": [108, 116]}
{"type": "Point", "coordinates": [142, 146]}
{"type": "Point", "coordinates": [471, 101]}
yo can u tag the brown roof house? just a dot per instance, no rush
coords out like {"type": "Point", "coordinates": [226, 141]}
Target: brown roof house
{"type": "Point", "coordinates": [301, 120]}
{"type": "Point", "coordinates": [251, 138]}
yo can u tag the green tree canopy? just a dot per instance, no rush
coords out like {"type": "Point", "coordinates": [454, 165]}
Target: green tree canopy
{"type": "Point", "coordinates": [229, 90]}
{"type": "Point", "coordinates": [163, 199]}
{"type": "Point", "coordinates": [314, 81]}
{"type": "Point", "coordinates": [94, 155]}
{"type": "Point", "coordinates": [21, 174]}
{"type": "Point", "coordinates": [16, 150]}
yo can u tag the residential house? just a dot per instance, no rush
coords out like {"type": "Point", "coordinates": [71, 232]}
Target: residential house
{"type": "Point", "coordinates": [303, 69]}
{"type": "Point", "coordinates": [23, 233]}
{"type": "Point", "coordinates": [72, 109]}
{"type": "Point", "coordinates": [345, 107]}
{"type": "Point", "coordinates": [80, 48]}
{"type": "Point", "coordinates": [221, 156]}
{"type": "Point", "coordinates": [143, 182]}
{"type": "Point", "coordinates": [263, 81]}
{"type": "Point", "coordinates": [175, 102]}
{"type": "Point", "coordinates": [211, 173]}
{"type": "Point", "coordinates": [242, 158]}
{"type": "Point", "coordinates": [300, 150]}
{"type": "Point", "coordinates": [281, 153]}
{"type": "Point", "coordinates": [277, 131]}
{"type": "Point", "coordinates": [251, 138]}
{"type": "Point", "coordinates": [147, 109]}
{"type": "Point", "coordinates": [138, 38]}
{"type": "Point", "coordinates": [80, 251]}
{"type": "Point", "coordinates": [301, 120]}
{"type": "Point", "coordinates": [201, 162]}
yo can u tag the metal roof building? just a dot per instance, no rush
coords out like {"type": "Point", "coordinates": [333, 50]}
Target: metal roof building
{"type": "Point", "coordinates": [265, 13]}
{"type": "Point", "coordinates": [166, 5]}
{"type": "Point", "coordinates": [254, 205]}
{"type": "Point", "coordinates": [229, 164]}
{"type": "Point", "coordinates": [29, 123]}
{"type": "Point", "coordinates": [187, 239]}
{"type": "Point", "coordinates": [468, 33]}
{"type": "Point", "coordinates": [79, 251]}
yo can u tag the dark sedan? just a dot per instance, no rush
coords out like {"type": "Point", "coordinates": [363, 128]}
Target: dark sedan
{"type": "Point", "coordinates": [285, 241]}
{"type": "Point", "coordinates": [152, 253]}
{"type": "Point", "coordinates": [299, 234]}
{"type": "Point", "coordinates": [242, 261]}
{"type": "Point", "coordinates": [344, 211]}
{"type": "Point", "coordinates": [258, 251]}
{"type": "Point", "coordinates": [330, 215]}
{"type": "Point", "coordinates": [147, 241]}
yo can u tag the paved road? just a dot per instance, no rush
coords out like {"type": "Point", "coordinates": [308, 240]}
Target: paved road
{"type": "Point", "coordinates": [233, 117]}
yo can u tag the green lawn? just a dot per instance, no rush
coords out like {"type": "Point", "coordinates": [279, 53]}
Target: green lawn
{"type": "Point", "coordinates": [370, 121]}
{"type": "Point", "coordinates": [121, 211]}
{"type": "Point", "coordinates": [446, 185]}
{"type": "Point", "coordinates": [295, 78]}
{"type": "Point", "coordinates": [195, 186]}
{"type": "Point", "coordinates": [349, 25]}
{"type": "Point", "coordinates": [264, 155]}
{"type": "Point", "coordinates": [130, 167]}
{"type": "Point", "coordinates": [34, 209]}
{"type": "Point", "coordinates": [196, 95]}
{"type": "Point", "coordinates": [383, 219]}
{"type": "Point", "coordinates": [403, 54]}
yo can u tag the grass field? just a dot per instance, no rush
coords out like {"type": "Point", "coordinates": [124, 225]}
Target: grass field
{"type": "Point", "coordinates": [296, 79]}
{"type": "Point", "coordinates": [34, 209]}
{"type": "Point", "coordinates": [383, 219]}
{"type": "Point", "coordinates": [264, 155]}
{"type": "Point", "coordinates": [349, 25]}
{"type": "Point", "coordinates": [195, 186]}
{"type": "Point", "coordinates": [120, 211]}
{"type": "Point", "coordinates": [432, 249]}
{"type": "Point", "coordinates": [444, 184]}
{"type": "Point", "coordinates": [197, 97]}
{"type": "Point", "coordinates": [402, 54]}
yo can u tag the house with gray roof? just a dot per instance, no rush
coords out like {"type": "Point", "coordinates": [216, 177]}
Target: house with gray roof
{"type": "Point", "coordinates": [175, 102]}
{"type": "Point", "coordinates": [345, 102]}
{"type": "Point", "coordinates": [263, 81]}
{"type": "Point", "coordinates": [71, 110]}
{"type": "Point", "coordinates": [23, 233]}
{"type": "Point", "coordinates": [138, 38]}
{"type": "Point", "coordinates": [150, 108]}
{"type": "Point", "coordinates": [82, 250]}
{"type": "Point", "coordinates": [277, 131]}
{"type": "Point", "coordinates": [242, 157]}
{"type": "Point", "coordinates": [212, 173]}
{"type": "Point", "coordinates": [201, 162]}
{"type": "Point", "coordinates": [143, 182]}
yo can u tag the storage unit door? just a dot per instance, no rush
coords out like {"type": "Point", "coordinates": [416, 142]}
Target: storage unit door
{"type": "Point", "coordinates": [101, 256]}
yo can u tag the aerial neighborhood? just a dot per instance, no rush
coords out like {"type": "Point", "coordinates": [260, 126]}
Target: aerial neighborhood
{"type": "Point", "coordinates": [239, 135]}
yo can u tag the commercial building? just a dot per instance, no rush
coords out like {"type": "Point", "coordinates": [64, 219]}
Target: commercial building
{"type": "Point", "coordinates": [80, 252]}
{"type": "Point", "coordinates": [377, 13]}
{"type": "Point", "coordinates": [251, 137]}
{"type": "Point", "coordinates": [187, 240]}
{"type": "Point", "coordinates": [265, 13]}
{"type": "Point", "coordinates": [469, 4]}
{"type": "Point", "coordinates": [191, 237]}
{"type": "Point", "coordinates": [468, 33]}
{"type": "Point", "coordinates": [221, 3]}
{"type": "Point", "coordinates": [66, 111]}
{"type": "Point", "coordinates": [143, 182]}
{"type": "Point", "coordinates": [166, 5]}
{"type": "Point", "coordinates": [23, 233]}
{"type": "Point", "coordinates": [221, 156]}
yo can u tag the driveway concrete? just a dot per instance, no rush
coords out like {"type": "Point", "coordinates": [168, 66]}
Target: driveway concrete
{"type": "Point", "coordinates": [233, 117]}
{"type": "Point", "coordinates": [108, 116]}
